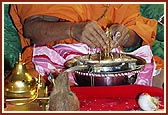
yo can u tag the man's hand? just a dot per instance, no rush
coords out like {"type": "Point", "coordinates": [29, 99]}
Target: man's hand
{"type": "Point", "coordinates": [90, 33]}
{"type": "Point", "coordinates": [122, 36]}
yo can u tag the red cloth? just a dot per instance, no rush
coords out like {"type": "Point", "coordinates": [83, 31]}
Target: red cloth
{"type": "Point", "coordinates": [114, 98]}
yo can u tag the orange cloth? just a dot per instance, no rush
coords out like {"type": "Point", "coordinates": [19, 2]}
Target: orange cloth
{"type": "Point", "coordinates": [159, 61]}
{"type": "Point", "coordinates": [117, 13]}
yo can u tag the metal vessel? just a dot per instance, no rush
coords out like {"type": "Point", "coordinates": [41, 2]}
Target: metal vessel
{"type": "Point", "coordinates": [120, 69]}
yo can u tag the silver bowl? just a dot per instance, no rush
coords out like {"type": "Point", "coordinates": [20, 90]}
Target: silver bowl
{"type": "Point", "coordinates": [121, 69]}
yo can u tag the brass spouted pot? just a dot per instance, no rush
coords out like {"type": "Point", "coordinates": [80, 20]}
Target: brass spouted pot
{"type": "Point", "coordinates": [20, 87]}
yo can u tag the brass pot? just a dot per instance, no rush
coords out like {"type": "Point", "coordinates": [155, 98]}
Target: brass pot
{"type": "Point", "coordinates": [20, 86]}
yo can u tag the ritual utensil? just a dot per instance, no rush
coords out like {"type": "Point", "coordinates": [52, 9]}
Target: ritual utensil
{"type": "Point", "coordinates": [21, 88]}
{"type": "Point", "coordinates": [106, 67]}
{"type": "Point", "coordinates": [108, 47]}
{"type": "Point", "coordinates": [115, 71]}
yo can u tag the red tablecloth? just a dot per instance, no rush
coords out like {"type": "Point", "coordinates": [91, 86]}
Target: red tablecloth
{"type": "Point", "coordinates": [114, 98]}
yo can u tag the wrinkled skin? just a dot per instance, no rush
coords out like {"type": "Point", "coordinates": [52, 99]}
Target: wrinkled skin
{"type": "Point", "coordinates": [90, 33]}
{"type": "Point", "coordinates": [122, 38]}
{"type": "Point", "coordinates": [44, 29]}
{"type": "Point", "coordinates": [95, 37]}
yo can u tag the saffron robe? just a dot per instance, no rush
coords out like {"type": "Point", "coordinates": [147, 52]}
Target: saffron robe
{"type": "Point", "coordinates": [126, 14]}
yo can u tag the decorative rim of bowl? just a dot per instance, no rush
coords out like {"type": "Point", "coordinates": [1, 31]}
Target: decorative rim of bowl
{"type": "Point", "coordinates": [108, 74]}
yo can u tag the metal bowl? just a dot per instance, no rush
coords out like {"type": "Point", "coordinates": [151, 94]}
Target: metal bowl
{"type": "Point", "coordinates": [121, 69]}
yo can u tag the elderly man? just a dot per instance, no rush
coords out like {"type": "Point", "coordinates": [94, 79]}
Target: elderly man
{"type": "Point", "coordinates": [53, 24]}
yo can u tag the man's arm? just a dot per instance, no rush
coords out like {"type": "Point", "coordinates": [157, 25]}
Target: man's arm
{"type": "Point", "coordinates": [44, 29]}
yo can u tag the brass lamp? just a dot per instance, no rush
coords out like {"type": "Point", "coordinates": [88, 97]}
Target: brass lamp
{"type": "Point", "coordinates": [20, 86]}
